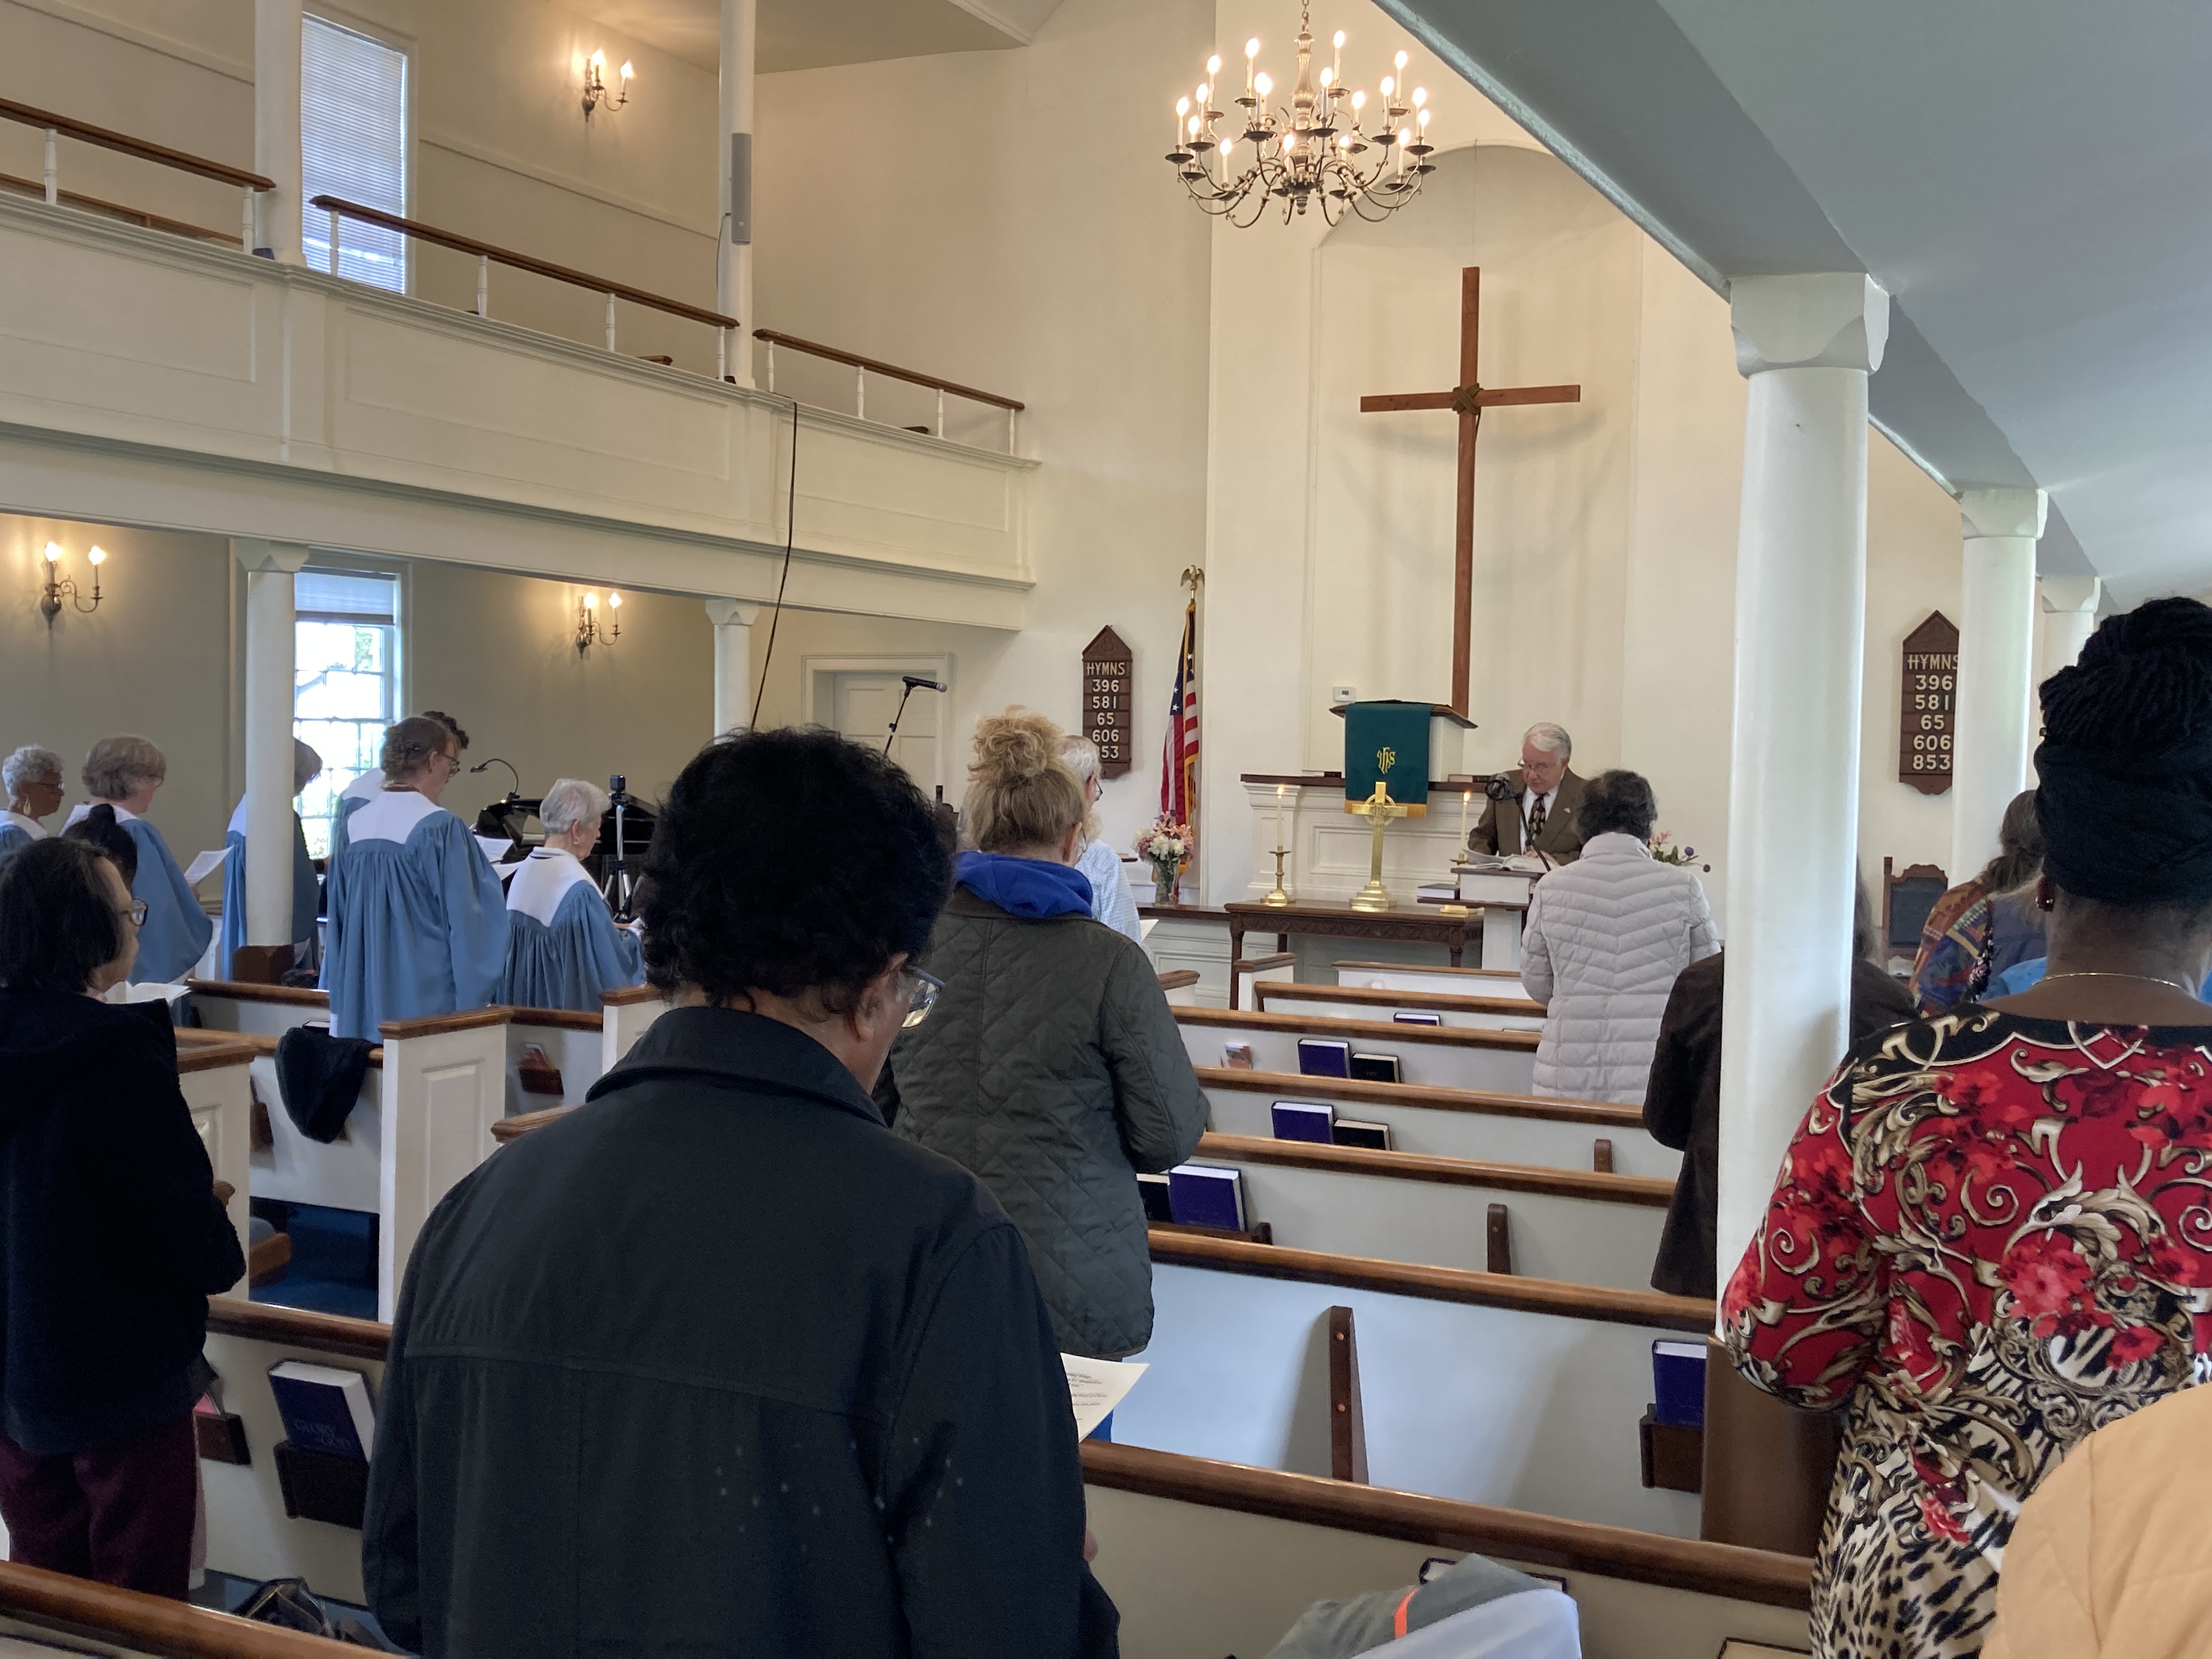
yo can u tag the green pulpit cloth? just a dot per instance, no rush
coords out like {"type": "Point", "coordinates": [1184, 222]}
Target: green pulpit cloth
{"type": "Point", "coordinates": [1388, 742]}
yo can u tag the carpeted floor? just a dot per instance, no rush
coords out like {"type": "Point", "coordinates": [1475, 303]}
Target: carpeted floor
{"type": "Point", "coordinates": [333, 1266]}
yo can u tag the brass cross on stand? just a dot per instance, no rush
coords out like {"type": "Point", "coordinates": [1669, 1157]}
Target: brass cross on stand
{"type": "Point", "coordinates": [1469, 400]}
{"type": "Point", "coordinates": [1378, 809]}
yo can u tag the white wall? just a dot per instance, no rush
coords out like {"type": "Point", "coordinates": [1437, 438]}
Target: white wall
{"type": "Point", "coordinates": [1011, 231]}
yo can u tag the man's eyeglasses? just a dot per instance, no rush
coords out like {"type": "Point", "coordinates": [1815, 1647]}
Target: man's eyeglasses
{"type": "Point", "coordinates": [135, 910]}
{"type": "Point", "coordinates": [921, 998]}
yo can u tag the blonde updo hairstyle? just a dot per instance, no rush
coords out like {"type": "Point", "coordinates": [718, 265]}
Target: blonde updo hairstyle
{"type": "Point", "coordinates": [1021, 795]}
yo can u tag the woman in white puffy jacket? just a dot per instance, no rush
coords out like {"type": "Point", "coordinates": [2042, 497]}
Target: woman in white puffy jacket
{"type": "Point", "coordinates": [1606, 936]}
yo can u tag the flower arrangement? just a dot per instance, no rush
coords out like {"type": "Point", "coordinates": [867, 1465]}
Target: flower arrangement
{"type": "Point", "coordinates": [1663, 850]}
{"type": "Point", "coordinates": [1166, 847]}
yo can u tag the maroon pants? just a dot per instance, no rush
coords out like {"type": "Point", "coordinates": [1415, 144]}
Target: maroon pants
{"type": "Point", "coordinates": [120, 1515]}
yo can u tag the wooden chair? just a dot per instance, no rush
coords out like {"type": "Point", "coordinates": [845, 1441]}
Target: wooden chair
{"type": "Point", "coordinates": [1907, 896]}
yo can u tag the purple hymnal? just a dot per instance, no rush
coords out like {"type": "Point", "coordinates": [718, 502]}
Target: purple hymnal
{"type": "Point", "coordinates": [1304, 1120]}
{"type": "Point", "coordinates": [1677, 1383]}
{"type": "Point", "coordinates": [1324, 1057]}
{"type": "Point", "coordinates": [1206, 1195]}
{"type": "Point", "coordinates": [1405, 1018]}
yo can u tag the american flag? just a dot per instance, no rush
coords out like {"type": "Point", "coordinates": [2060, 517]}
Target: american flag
{"type": "Point", "coordinates": [1179, 759]}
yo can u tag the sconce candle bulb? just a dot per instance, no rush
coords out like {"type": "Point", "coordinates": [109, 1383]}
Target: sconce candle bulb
{"type": "Point", "coordinates": [56, 586]}
{"type": "Point", "coordinates": [588, 631]}
{"type": "Point", "coordinates": [596, 93]}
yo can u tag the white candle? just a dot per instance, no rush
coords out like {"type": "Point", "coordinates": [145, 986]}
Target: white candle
{"type": "Point", "coordinates": [1280, 791]}
{"type": "Point", "coordinates": [1465, 796]}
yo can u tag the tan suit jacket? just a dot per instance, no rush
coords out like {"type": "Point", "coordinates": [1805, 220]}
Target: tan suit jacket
{"type": "Point", "coordinates": [1500, 830]}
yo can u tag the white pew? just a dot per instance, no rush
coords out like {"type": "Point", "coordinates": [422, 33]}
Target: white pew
{"type": "Point", "coordinates": [1503, 1128]}
{"type": "Point", "coordinates": [574, 1045]}
{"type": "Point", "coordinates": [1500, 1390]}
{"type": "Point", "coordinates": [1580, 1228]}
{"type": "Point", "coordinates": [1477, 1012]}
{"type": "Point", "coordinates": [445, 1086]}
{"type": "Point", "coordinates": [1450, 981]}
{"type": "Point", "coordinates": [1206, 1557]}
{"type": "Point", "coordinates": [627, 1015]}
{"type": "Point", "coordinates": [1501, 1061]}
{"type": "Point", "coordinates": [215, 1075]}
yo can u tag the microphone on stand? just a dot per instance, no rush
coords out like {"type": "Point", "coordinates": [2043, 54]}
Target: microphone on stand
{"type": "Point", "coordinates": [918, 682]}
{"type": "Point", "coordinates": [914, 683]}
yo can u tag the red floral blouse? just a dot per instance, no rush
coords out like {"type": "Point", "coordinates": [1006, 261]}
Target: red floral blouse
{"type": "Point", "coordinates": [1992, 1237]}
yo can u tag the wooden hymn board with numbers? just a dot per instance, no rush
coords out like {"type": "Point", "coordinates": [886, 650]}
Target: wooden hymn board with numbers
{"type": "Point", "coordinates": [1928, 705]}
{"type": "Point", "coordinates": [1108, 719]}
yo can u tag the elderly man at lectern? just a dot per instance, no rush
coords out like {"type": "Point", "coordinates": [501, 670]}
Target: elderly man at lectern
{"type": "Point", "coordinates": [1541, 811]}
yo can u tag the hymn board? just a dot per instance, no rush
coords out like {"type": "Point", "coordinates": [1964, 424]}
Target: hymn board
{"type": "Point", "coordinates": [1108, 719]}
{"type": "Point", "coordinates": [1928, 705]}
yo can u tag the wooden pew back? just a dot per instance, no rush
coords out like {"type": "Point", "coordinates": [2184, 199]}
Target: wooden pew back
{"type": "Point", "coordinates": [1430, 1056]}
{"type": "Point", "coordinates": [1489, 1013]}
{"type": "Point", "coordinates": [1452, 982]}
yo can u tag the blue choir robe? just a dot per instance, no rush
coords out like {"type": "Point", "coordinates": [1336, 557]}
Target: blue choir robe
{"type": "Point", "coordinates": [563, 946]}
{"type": "Point", "coordinates": [17, 832]}
{"type": "Point", "coordinates": [177, 930]}
{"type": "Point", "coordinates": [234, 889]}
{"type": "Point", "coordinates": [416, 924]}
{"type": "Point", "coordinates": [355, 796]}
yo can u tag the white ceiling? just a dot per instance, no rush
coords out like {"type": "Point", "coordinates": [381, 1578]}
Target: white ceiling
{"type": "Point", "coordinates": [793, 34]}
{"type": "Point", "coordinates": [2030, 180]}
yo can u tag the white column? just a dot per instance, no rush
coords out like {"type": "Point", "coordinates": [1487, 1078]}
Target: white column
{"type": "Point", "coordinates": [1807, 344]}
{"type": "Point", "coordinates": [733, 662]}
{"type": "Point", "coordinates": [276, 123]}
{"type": "Point", "coordinates": [733, 286]}
{"type": "Point", "coordinates": [1996, 714]}
{"type": "Point", "coordinates": [2069, 604]}
{"type": "Point", "coordinates": [270, 567]}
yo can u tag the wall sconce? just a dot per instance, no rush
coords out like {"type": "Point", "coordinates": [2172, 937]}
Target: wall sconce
{"type": "Point", "coordinates": [587, 621]}
{"type": "Point", "coordinates": [595, 86]}
{"type": "Point", "coordinates": [59, 586]}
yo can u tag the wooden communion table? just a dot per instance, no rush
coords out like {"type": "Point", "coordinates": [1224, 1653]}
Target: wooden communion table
{"type": "Point", "coordinates": [1417, 924]}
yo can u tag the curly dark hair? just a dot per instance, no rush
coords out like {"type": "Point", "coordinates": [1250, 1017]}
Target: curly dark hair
{"type": "Point", "coordinates": [791, 862]}
{"type": "Point", "coordinates": [1618, 801]}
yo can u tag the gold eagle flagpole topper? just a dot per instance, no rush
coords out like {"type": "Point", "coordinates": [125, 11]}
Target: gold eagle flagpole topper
{"type": "Point", "coordinates": [1378, 809]}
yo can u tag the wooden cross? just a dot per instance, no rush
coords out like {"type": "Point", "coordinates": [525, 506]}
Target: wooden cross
{"type": "Point", "coordinates": [1468, 400]}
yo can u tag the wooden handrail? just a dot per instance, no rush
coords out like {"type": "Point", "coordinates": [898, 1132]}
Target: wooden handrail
{"type": "Point", "coordinates": [629, 996]}
{"type": "Point", "coordinates": [1365, 1030]}
{"type": "Point", "coordinates": [1178, 979]}
{"type": "Point", "coordinates": [1596, 1114]}
{"type": "Point", "coordinates": [180, 160]}
{"type": "Point", "coordinates": [1644, 1190]}
{"type": "Point", "coordinates": [214, 1056]}
{"type": "Point", "coordinates": [1376, 996]}
{"type": "Point", "coordinates": [150, 1624]}
{"type": "Point", "coordinates": [1413, 968]}
{"type": "Point", "coordinates": [116, 210]}
{"type": "Point", "coordinates": [398, 1030]}
{"type": "Point", "coordinates": [565, 1019]}
{"type": "Point", "coordinates": [461, 244]}
{"type": "Point", "coordinates": [854, 360]}
{"type": "Point", "coordinates": [261, 1321]}
{"type": "Point", "coordinates": [1262, 964]}
{"type": "Point", "coordinates": [298, 996]}
{"type": "Point", "coordinates": [264, 1048]}
{"type": "Point", "coordinates": [521, 1123]}
{"type": "Point", "coordinates": [1451, 1523]}
{"type": "Point", "coordinates": [1463, 1284]}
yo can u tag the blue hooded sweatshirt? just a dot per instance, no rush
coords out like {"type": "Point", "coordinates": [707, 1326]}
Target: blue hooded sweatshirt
{"type": "Point", "coordinates": [1025, 887]}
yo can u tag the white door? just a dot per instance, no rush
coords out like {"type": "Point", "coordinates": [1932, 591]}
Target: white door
{"type": "Point", "coordinates": [866, 700]}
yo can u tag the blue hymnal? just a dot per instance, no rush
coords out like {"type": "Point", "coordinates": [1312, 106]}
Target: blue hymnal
{"type": "Point", "coordinates": [1206, 1195]}
{"type": "Point", "coordinates": [1302, 1120]}
{"type": "Point", "coordinates": [1678, 1384]}
{"type": "Point", "coordinates": [1325, 1057]}
{"type": "Point", "coordinates": [1405, 1018]}
{"type": "Point", "coordinates": [324, 1409]}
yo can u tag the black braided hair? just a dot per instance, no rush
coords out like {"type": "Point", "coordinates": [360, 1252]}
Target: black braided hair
{"type": "Point", "coordinates": [2143, 683]}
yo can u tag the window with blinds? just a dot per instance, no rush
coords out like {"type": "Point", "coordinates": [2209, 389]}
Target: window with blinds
{"type": "Point", "coordinates": [353, 144]}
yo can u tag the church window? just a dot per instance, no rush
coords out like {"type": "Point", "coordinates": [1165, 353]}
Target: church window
{"type": "Point", "coordinates": [345, 684]}
{"type": "Point", "coordinates": [353, 145]}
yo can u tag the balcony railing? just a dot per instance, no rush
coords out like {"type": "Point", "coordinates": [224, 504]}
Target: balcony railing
{"type": "Point", "coordinates": [864, 366]}
{"type": "Point", "coordinates": [58, 127]}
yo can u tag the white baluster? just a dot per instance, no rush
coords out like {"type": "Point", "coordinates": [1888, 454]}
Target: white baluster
{"type": "Point", "coordinates": [1010, 429]}
{"type": "Point", "coordinates": [610, 322]}
{"type": "Point", "coordinates": [771, 365]}
{"type": "Point", "coordinates": [483, 285]}
{"type": "Point", "coordinates": [940, 411]}
{"type": "Point", "coordinates": [53, 179]}
{"type": "Point", "coordinates": [861, 394]}
{"type": "Point", "coordinates": [246, 235]}
{"type": "Point", "coordinates": [334, 241]}
{"type": "Point", "coordinates": [722, 352]}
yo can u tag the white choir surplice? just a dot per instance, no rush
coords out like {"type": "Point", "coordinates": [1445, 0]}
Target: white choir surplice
{"type": "Point", "coordinates": [177, 930]}
{"type": "Point", "coordinates": [562, 946]}
{"type": "Point", "coordinates": [1111, 901]}
{"type": "Point", "coordinates": [418, 925]}
{"type": "Point", "coordinates": [17, 832]}
{"type": "Point", "coordinates": [355, 796]}
{"type": "Point", "coordinates": [304, 893]}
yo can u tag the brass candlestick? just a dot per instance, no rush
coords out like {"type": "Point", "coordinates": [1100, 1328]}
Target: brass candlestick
{"type": "Point", "coordinates": [1280, 897]}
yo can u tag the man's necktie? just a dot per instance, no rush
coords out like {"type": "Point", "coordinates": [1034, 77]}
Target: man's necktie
{"type": "Point", "coordinates": [1535, 822]}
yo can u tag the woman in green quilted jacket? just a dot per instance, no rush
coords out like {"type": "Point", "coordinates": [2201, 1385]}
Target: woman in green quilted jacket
{"type": "Point", "coordinates": [1051, 1067]}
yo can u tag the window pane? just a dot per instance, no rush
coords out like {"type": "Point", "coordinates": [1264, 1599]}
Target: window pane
{"type": "Point", "coordinates": [353, 145]}
{"type": "Point", "coordinates": [345, 692]}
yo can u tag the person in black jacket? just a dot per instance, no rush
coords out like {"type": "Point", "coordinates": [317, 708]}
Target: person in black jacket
{"type": "Point", "coordinates": [112, 1238]}
{"type": "Point", "coordinates": [717, 1363]}
{"type": "Point", "coordinates": [1682, 1102]}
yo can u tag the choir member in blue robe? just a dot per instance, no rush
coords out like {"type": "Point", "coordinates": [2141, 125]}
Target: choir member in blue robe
{"type": "Point", "coordinates": [306, 767]}
{"type": "Point", "coordinates": [32, 777]}
{"type": "Point", "coordinates": [416, 924]}
{"type": "Point", "coordinates": [563, 946]}
{"type": "Point", "coordinates": [124, 772]}
{"type": "Point", "coordinates": [370, 784]}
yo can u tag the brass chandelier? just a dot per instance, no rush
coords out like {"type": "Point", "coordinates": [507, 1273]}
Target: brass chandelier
{"type": "Point", "coordinates": [1318, 148]}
